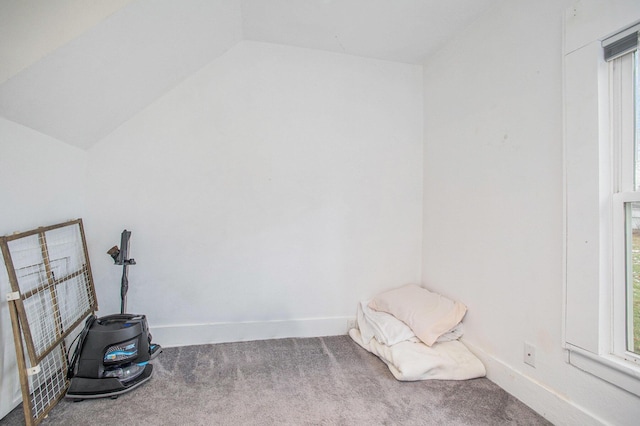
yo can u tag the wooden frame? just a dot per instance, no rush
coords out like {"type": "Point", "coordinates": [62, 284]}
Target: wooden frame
{"type": "Point", "coordinates": [31, 353]}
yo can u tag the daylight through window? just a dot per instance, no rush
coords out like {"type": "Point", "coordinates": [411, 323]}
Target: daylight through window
{"type": "Point", "coordinates": [632, 211]}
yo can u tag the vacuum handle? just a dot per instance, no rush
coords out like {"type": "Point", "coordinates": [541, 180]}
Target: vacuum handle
{"type": "Point", "coordinates": [119, 318]}
{"type": "Point", "coordinates": [124, 288]}
{"type": "Point", "coordinates": [80, 339]}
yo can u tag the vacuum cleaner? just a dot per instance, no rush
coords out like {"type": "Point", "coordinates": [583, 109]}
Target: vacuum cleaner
{"type": "Point", "coordinates": [112, 353]}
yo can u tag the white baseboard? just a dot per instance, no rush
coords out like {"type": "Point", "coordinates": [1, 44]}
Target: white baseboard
{"type": "Point", "coordinates": [542, 399]}
{"type": "Point", "coordinates": [200, 334]}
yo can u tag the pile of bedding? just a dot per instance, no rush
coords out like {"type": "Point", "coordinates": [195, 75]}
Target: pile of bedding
{"type": "Point", "coordinates": [415, 332]}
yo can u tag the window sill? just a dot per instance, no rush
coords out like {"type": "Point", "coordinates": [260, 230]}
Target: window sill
{"type": "Point", "coordinates": [621, 373]}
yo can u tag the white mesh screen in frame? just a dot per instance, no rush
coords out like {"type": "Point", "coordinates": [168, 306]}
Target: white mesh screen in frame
{"type": "Point", "coordinates": [52, 293]}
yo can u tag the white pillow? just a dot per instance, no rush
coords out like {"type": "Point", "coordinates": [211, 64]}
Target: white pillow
{"type": "Point", "coordinates": [428, 314]}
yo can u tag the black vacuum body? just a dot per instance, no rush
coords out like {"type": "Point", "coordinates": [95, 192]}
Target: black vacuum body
{"type": "Point", "coordinates": [113, 352]}
{"type": "Point", "coordinates": [113, 356]}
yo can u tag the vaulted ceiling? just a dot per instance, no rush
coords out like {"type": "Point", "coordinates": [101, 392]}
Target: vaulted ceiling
{"type": "Point", "coordinates": [78, 69]}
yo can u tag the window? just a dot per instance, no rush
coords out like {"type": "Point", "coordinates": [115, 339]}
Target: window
{"type": "Point", "coordinates": [632, 309]}
{"type": "Point", "coordinates": [625, 125]}
{"type": "Point", "coordinates": [602, 209]}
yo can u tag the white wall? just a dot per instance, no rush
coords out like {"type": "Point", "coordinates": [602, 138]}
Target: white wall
{"type": "Point", "coordinates": [493, 210]}
{"type": "Point", "coordinates": [266, 194]}
{"type": "Point", "coordinates": [42, 184]}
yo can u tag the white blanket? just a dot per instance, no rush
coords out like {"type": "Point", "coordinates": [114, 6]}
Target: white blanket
{"type": "Point", "coordinates": [410, 361]}
{"type": "Point", "coordinates": [389, 330]}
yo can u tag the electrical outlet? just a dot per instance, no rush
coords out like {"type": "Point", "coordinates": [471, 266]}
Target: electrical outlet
{"type": "Point", "coordinates": [351, 323]}
{"type": "Point", "coordinates": [529, 354]}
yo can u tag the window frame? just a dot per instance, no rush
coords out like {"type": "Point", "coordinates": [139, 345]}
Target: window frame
{"type": "Point", "coordinates": [595, 254]}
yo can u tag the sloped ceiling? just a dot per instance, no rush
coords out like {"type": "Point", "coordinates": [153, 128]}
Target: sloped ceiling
{"type": "Point", "coordinates": [78, 69]}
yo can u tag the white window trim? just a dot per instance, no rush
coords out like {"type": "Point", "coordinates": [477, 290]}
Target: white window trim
{"type": "Point", "coordinates": [607, 367]}
{"type": "Point", "coordinates": [589, 219]}
{"type": "Point", "coordinates": [622, 143]}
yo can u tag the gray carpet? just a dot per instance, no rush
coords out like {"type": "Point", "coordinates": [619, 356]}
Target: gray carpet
{"type": "Point", "coordinates": [314, 381]}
